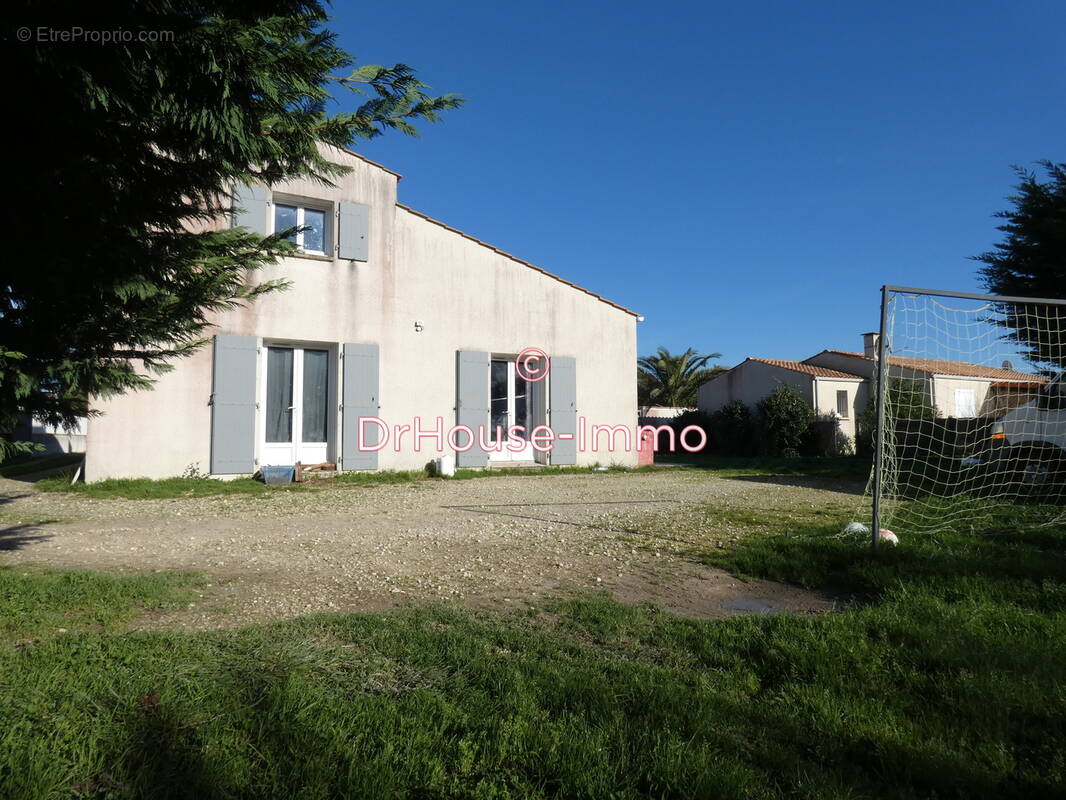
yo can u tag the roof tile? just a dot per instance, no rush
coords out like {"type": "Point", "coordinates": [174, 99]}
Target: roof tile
{"type": "Point", "coordinates": [806, 369]}
{"type": "Point", "coordinates": [961, 368]}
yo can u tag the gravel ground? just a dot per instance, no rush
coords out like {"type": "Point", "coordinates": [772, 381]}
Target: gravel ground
{"type": "Point", "coordinates": [501, 541]}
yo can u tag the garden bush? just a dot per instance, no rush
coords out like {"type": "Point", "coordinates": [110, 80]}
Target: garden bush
{"type": "Point", "coordinates": [783, 421]}
{"type": "Point", "coordinates": [730, 430]}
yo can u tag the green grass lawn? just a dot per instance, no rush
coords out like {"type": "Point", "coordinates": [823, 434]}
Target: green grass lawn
{"type": "Point", "coordinates": [717, 466]}
{"type": "Point", "coordinates": [169, 488]}
{"type": "Point", "coordinates": [945, 680]}
{"type": "Point", "coordinates": [840, 467]}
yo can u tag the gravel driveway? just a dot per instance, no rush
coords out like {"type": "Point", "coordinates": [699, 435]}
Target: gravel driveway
{"type": "Point", "coordinates": [487, 542]}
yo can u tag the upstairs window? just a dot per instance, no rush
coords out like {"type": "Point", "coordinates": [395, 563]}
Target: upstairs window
{"type": "Point", "coordinates": [317, 238]}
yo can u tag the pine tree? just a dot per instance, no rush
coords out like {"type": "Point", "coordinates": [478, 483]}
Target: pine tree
{"type": "Point", "coordinates": [121, 157]}
{"type": "Point", "coordinates": [1031, 262]}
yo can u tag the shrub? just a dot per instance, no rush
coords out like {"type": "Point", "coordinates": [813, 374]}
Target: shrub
{"type": "Point", "coordinates": [824, 438]}
{"type": "Point", "coordinates": [784, 419]}
{"type": "Point", "coordinates": [865, 428]}
{"type": "Point", "coordinates": [730, 430]}
{"type": "Point", "coordinates": [684, 420]}
{"type": "Point", "coordinates": [906, 400]}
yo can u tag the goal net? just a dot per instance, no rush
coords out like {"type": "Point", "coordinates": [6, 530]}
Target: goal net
{"type": "Point", "coordinates": [972, 426]}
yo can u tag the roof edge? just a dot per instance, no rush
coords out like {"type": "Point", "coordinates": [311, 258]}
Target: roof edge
{"type": "Point", "coordinates": [516, 259]}
{"type": "Point", "coordinates": [781, 363]}
{"type": "Point", "coordinates": [361, 157]}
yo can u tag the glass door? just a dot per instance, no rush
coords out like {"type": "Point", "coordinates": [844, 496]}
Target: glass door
{"type": "Point", "coordinates": [509, 405]}
{"type": "Point", "coordinates": [296, 403]}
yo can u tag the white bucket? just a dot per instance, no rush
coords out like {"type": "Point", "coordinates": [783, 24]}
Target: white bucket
{"type": "Point", "coordinates": [446, 465]}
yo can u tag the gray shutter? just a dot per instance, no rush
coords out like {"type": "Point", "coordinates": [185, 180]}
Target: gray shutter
{"type": "Point", "coordinates": [472, 402]}
{"type": "Point", "coordinates": [250, 207]}
{"type": "Point", "coordinates": [360, 399]}
{"type": "Point", "coordinates": [563, 396]}
{"type": "Point", "coordinates": [233, 388]}
{"type": "Point", "coordinates": [353, 231]}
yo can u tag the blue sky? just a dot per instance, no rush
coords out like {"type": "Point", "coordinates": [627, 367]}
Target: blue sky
{"type": "Point", "coordinates": [745, 175]}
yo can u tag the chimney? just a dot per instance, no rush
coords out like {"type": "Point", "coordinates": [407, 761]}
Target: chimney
{"type": "Point", "coordinates": [869, 345]}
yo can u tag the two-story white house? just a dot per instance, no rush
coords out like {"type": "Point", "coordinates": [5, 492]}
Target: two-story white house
{"type": "Point", "coordinates": [393, 316]}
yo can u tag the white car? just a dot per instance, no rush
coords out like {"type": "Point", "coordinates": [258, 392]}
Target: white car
{"type": "Point", "coordinates": [1029, 441]}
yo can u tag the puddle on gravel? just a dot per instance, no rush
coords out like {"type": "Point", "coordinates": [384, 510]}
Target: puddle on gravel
{"type": "Point", "coordinates": [751, 605]}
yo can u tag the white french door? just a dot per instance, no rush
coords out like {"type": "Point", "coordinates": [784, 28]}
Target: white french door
{"type": "Point", "coordinates": [296, 406]}
{"type": "Point", "coordinates": [509, 404]}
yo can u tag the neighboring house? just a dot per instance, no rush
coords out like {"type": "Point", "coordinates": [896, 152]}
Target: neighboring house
{"type": "Point", "coordinates": [840, 382]}
{"type": "Point", "coordinates": [58, 439]}
{"type": "Point", "coordinates": [54, 439]}
{"type": "Point", "coordinates": [954, 388]}
{"type": "Point", "coordinates": [827, 391]}
{"type": "Point", "coordinates": [392, 315]}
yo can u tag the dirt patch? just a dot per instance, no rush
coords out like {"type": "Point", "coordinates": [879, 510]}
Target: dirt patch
{"type": "Point", "coordinates": [494, 542]}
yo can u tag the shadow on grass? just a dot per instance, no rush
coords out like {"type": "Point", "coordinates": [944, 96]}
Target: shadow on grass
{"type": "Point", "coordinates": [920, 701]}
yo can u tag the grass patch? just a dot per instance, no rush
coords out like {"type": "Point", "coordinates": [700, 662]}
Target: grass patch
{"type": "Point", "coordinates": [165, 488]}
{"type": "Point", "coordinates": [29, 465]}
{"type": "Point", "coordinates": [948, 682]}
{"type": "Point", "coordinates": [607, 702]}
{"type": "Point", "coordinates": [375, 478]}
{"type": "Point", "coordinates": [805, 546]}
{"type": "Point", "coordinates": [37, 602]}
{"type": "Point", "coordinates": [836, 468]}
{"type": "Point", "coordinates": [170, 488]}
{"type": "Point", "coordinates": [596, 469]}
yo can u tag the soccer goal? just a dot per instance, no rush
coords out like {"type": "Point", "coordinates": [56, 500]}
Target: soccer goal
{"type": "Point", "coordinates": [967, 421]}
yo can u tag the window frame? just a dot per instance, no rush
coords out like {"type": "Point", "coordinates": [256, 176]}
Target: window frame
{"type": "Point", "coordinates": [303, 204]}
{"type": "Point", "coordinates": [847, 402]}
{"type": "Point", "coordinates": [972, 402]}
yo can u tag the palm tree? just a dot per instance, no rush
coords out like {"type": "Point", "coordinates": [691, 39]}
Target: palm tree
{"type": "Point", "coordinates": [668, 380]}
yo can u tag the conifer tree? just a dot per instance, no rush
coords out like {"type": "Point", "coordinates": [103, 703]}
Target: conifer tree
{"type": "Point", "coordinates": [121, 156]}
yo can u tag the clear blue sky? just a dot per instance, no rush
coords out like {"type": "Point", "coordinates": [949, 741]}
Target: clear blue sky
{"type": "Point", "coordinates": [746, 175]}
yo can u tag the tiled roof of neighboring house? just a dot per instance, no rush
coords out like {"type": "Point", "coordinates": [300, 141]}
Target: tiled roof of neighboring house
{"type": "Point", "coordinates": [963, 369]}
{"type": "Point", "coordinates": [806, 369]}
{"type": "Point", "coordinates": [447, 227]}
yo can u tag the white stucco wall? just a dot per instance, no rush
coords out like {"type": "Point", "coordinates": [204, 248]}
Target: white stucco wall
{"type": "Point", "coordinates": [826, 399]}
{"type": "Point", "coordinates": [944, 396]}
{"type": "Point", "coordinates": [749, 382]}
{"type": "Point", "coordinates": [467, 296]}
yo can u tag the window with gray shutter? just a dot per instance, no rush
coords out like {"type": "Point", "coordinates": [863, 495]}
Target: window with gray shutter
{"type": "Point", "coordinates": [233, 385]}
{"type": "Point", "coordinates": [472, 402]}
{"type": "Point", "coordinates": [562, 395]}
{"type": "Point", "coordinates": [359, 382]}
